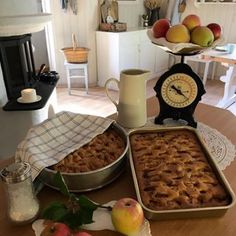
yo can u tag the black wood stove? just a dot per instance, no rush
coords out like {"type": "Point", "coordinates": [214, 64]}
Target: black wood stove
{"type": "Point", "coordinates": [17, 62]}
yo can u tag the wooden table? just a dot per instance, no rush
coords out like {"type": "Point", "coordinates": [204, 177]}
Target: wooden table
{"type": "Point", "coordinates": [229, 60]}
{"type": "Point", "coordinates": [217, 118]}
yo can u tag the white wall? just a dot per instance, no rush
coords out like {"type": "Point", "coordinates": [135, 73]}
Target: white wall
{"type": "Point", "coordinates": [84, 26]}
{"type": "Point", "coordinates": [18, 7]}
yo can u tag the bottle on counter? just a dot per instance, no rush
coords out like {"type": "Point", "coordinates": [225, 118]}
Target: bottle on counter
{"type": "Point", "coordinates": [23, 206]}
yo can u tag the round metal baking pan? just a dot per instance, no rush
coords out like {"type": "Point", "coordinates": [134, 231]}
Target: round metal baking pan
{"type": "Point", "coordinates": [87, 181]}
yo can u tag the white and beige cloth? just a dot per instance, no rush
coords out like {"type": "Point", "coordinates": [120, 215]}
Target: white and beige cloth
{"type": "Point", "coordinates": [49, 142]}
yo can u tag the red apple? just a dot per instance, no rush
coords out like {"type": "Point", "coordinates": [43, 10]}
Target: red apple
{"type": "Point", "coordinates": [56, 229]}
{"type": "Point", "coordinates": [160, 28]}
{"type": "Point", "coordinates": [216, 30]}
{"type": "Point", "coordinates": [127, 216]}
{"type": "Point", "coordinates": [81, 234]}
{"type": "Point", "coordinates": [191, 21]}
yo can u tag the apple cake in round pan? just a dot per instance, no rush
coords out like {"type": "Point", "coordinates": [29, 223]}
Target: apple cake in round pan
{"type": "Point", "coordinates": [93, 165]}
{"type": "Point", "coordinates": [173, 172]}
{"type": "Point", "coordinates": [101, 151]}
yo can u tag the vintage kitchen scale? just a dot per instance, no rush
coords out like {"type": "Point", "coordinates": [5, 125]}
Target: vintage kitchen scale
{"type": "Point", "coordinates": [179, 90]}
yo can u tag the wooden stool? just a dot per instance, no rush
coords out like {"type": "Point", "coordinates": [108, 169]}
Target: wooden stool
{"type": "Point", "coordinates": [76, 66]}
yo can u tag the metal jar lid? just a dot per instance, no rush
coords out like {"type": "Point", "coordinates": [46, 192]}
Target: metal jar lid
{"type": "Point", "coordinates": [16, 172]}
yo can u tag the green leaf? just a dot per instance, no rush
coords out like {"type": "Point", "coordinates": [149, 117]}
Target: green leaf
{"type": "Point", "coordinates": [86, 203]}
{"type": "Point", "coordinates": [77, 212]}
{"type": "Point", "coordinates": [56, 211]}
{"type": "Point", "coordinates": [73, 220]}
{"type": "Point", "coordinates": [86, 215]}
{"type": "Point", "coordinates": [60, 182]}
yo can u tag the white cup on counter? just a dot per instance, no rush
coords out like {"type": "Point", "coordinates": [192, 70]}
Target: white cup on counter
{"type": "Point", "coordinates": [28, 95]}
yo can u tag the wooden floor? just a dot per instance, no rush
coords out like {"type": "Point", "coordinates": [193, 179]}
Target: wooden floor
{"type": "Point", "coordinates": [97, 103]}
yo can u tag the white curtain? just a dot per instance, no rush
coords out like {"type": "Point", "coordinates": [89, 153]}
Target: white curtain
{"type": "Point", "coordinates": [172, 11]}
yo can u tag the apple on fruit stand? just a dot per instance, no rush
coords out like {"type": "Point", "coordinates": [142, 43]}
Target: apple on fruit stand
{"type": "Point", "coordinates": [189, 34]}
{"type": "Point", "coordinates": [160, 28]}
{"type": "Point", "coordinates": [202, 36]}
{"type": "Point", "coordinates": [191, 21]}
{"type": "Point", "coordinates": [127, 216]}
{"type": "Point", "coordinates": [216, 30]}
{"type": "Point", "coordinates": [178, 34]}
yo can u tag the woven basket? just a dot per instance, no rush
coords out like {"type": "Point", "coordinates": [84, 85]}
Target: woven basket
{"type": "Point", "coordinates": [75, 54]}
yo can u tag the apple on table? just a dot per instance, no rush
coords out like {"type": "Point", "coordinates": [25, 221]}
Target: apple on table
{"type": "Point", "coordinates": [56, 229]}
{"type": "Point", "coordinates": [127, 216]}
{"type": "Point", "coordinates": [82, 234]}
{"type": "Point", "coordinates": [60, 229]}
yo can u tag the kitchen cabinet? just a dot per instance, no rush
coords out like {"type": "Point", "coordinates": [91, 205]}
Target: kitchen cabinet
{"type": "Point", "coordinates": [117, 51]}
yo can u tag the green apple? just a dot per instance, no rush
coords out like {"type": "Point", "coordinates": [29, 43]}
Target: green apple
{"type": "Point", "coordinates": [191, 21]}
{"type": "Point", "coordinates": [178, 34]}
{"type": "Point", "coordinates": [127, 216]}
{"type": "Point", "coordinates": [202, 36]}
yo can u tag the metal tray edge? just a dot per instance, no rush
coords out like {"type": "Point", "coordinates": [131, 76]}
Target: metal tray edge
{"type": "Point", "coordinates": [182, 213]}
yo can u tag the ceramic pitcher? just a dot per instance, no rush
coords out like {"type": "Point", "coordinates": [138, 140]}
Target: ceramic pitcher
{"type": "Point", "coordinates": [131, 108]}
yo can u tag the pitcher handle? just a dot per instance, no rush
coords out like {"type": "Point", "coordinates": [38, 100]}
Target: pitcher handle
{"type": "Point", "coordinates": [107, 90]}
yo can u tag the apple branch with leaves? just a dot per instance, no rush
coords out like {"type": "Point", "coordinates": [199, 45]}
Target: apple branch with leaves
{"type": "Point", "coordinates": [78, 210]}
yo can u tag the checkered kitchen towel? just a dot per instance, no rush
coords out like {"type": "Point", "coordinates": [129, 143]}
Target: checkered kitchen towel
{"type": "Point", "coordinates": [49, 142]}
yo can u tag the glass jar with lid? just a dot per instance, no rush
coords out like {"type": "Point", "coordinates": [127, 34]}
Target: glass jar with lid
{"type": "Point", "coordinates": [23, 206]}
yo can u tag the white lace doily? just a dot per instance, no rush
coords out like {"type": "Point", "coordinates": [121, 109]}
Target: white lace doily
{"type": "Point", "coordinates": [219, 146]}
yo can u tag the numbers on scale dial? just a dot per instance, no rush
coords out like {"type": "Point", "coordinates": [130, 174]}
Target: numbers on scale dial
{"type": "Point", "coordinates": [179, 90]}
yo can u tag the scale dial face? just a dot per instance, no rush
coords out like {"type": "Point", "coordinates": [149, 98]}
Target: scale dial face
{"type": "Point", "coordinates": [179, 90]}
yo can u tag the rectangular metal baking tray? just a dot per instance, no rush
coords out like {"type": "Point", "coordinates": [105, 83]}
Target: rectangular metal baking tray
{"type": "Point", "coordinates": [190, 212]}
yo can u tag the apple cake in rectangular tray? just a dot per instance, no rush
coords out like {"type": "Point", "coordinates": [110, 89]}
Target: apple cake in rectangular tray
{"type": "Point", "coordinates": [175, 176]}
